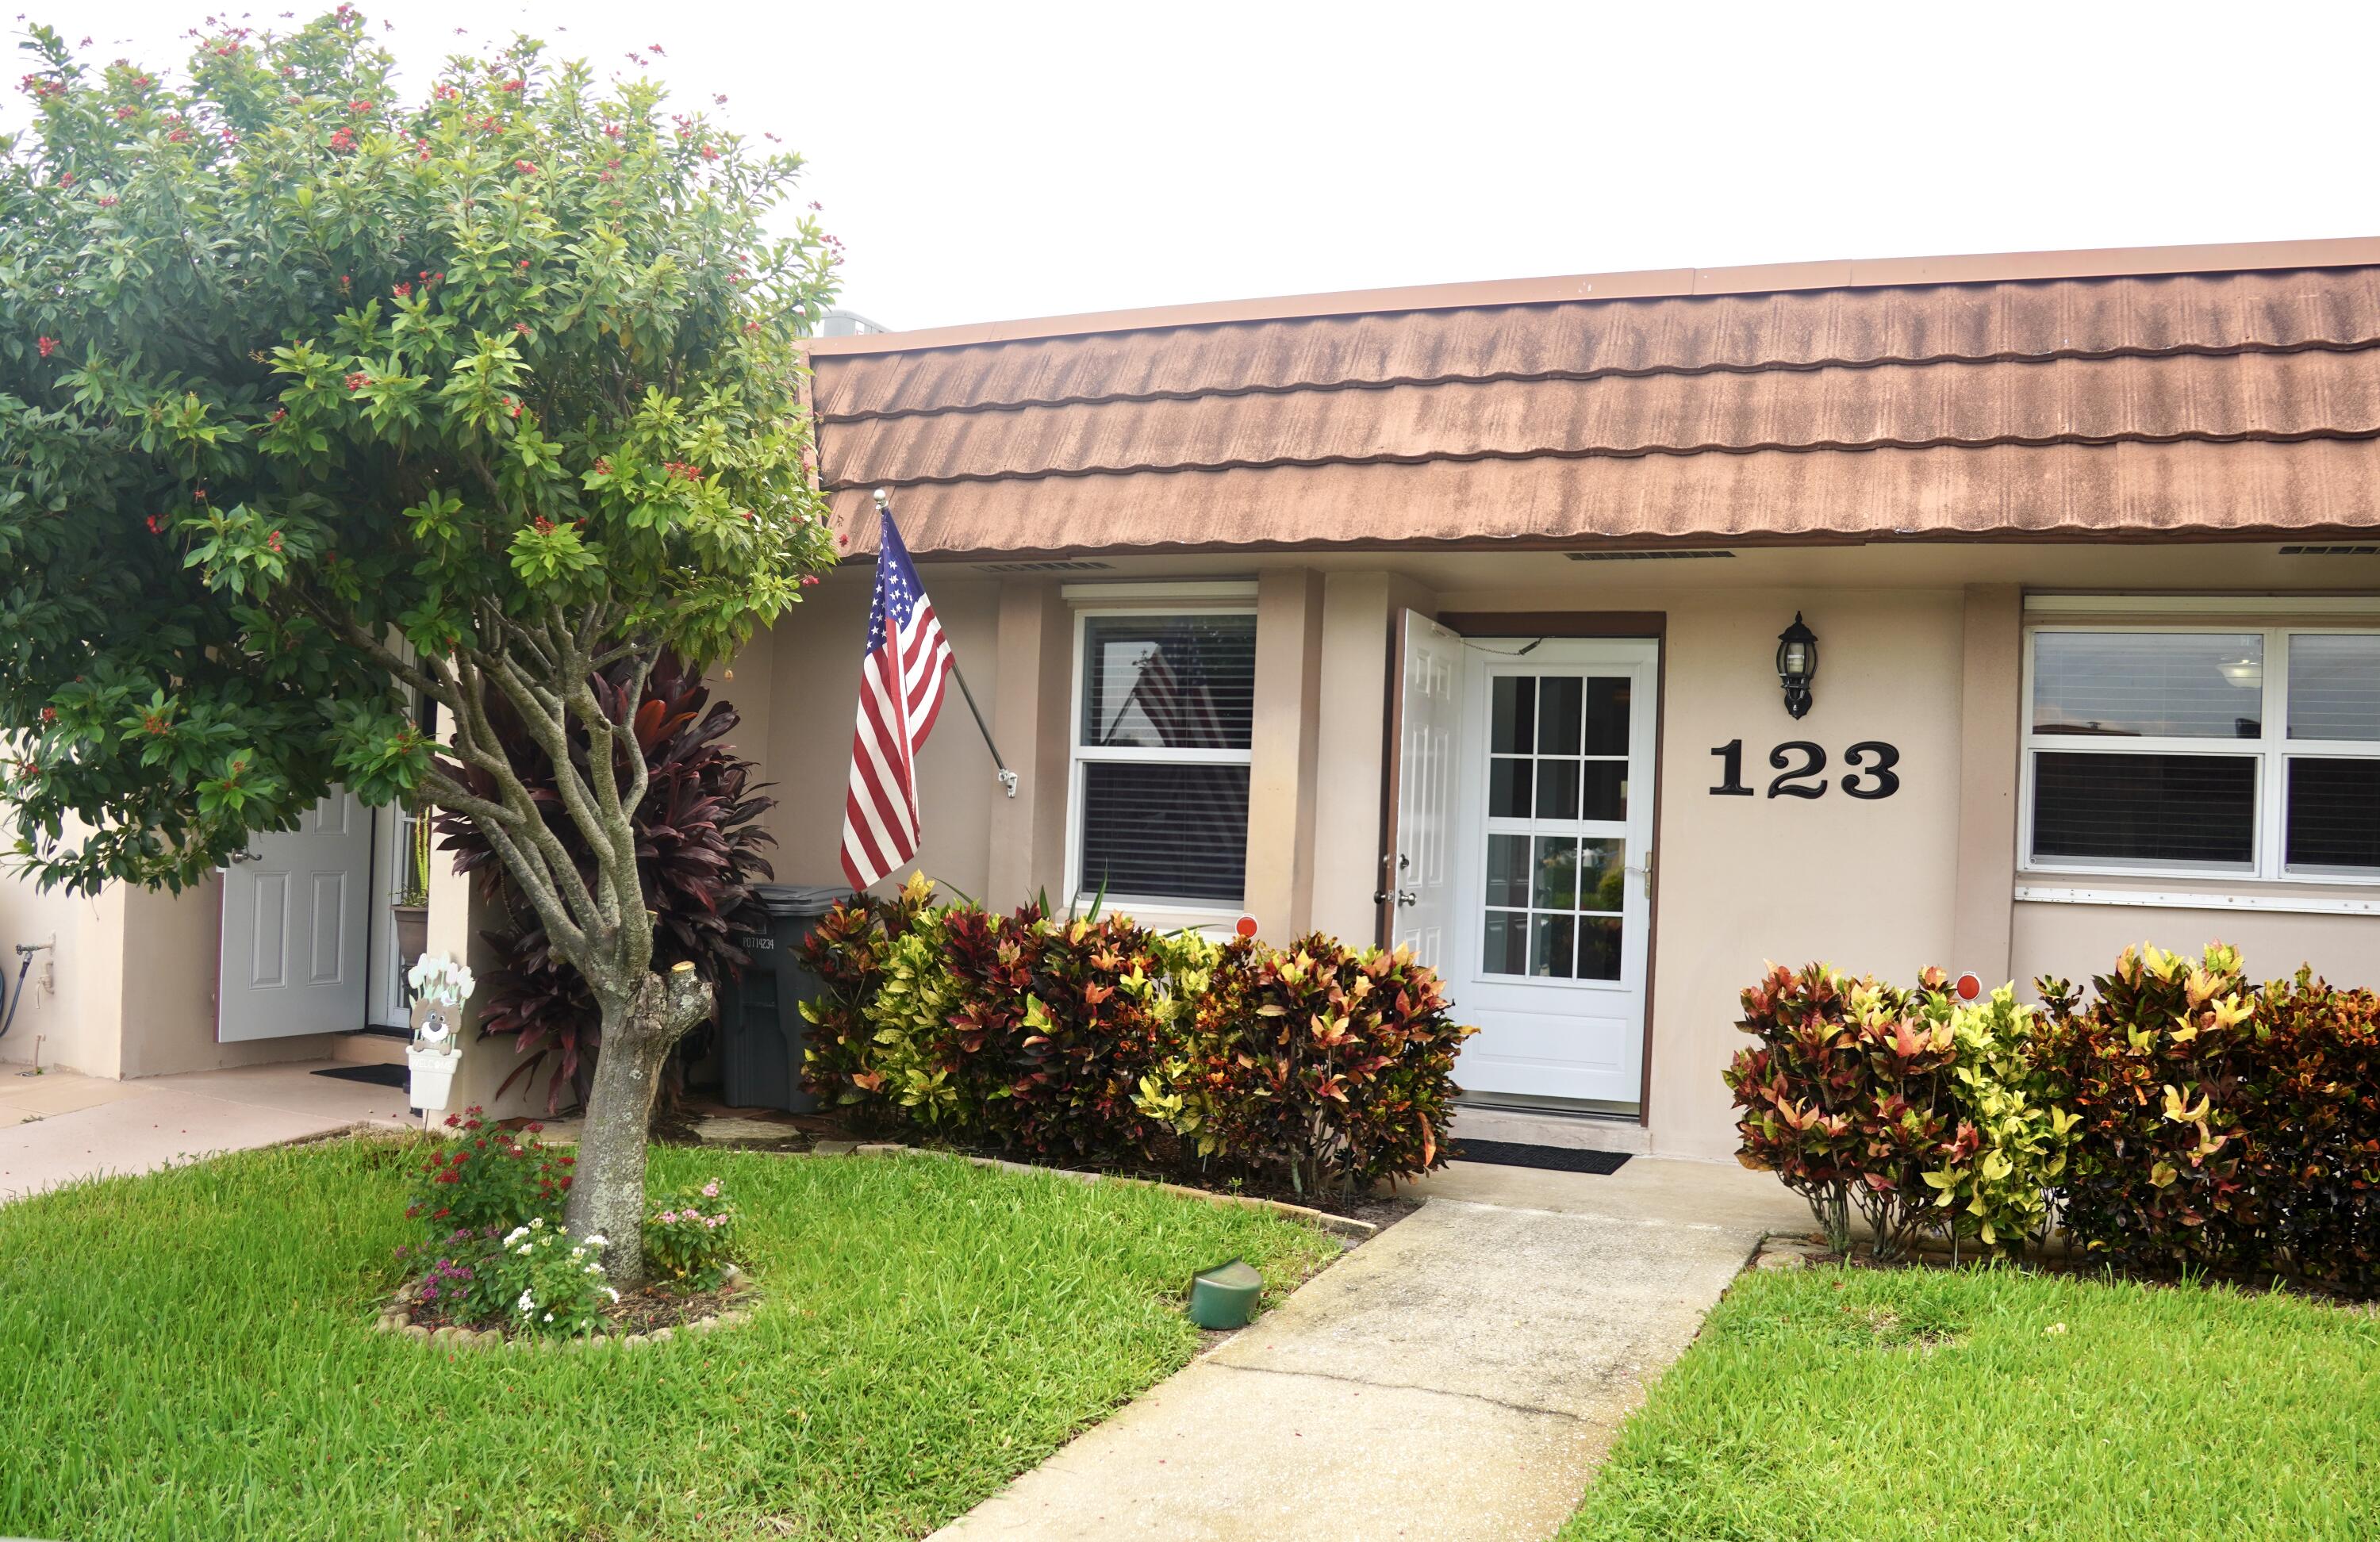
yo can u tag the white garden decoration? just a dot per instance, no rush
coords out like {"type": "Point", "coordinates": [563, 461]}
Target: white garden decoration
{"type": "Point", "coordinates": [442, 985]}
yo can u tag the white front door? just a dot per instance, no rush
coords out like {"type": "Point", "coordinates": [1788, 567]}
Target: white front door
{"type": "Point", "coordinates": [295, 928]}
{"type": "Point", "coordinates": [1429, 724]}
{"type": "Point", "coordinates": [1554, 867]}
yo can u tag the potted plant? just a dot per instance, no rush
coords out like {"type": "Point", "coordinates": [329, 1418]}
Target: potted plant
{"type": "Point", "coordinates": [410, 904]}
{"type": "Point", "coordinates": [442, 985]}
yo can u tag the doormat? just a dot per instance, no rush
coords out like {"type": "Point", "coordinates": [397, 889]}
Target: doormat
{"type": "Point", "coordinates": [377, 1076]}
{"type": "Point", "coordinates": [1552, 1159]}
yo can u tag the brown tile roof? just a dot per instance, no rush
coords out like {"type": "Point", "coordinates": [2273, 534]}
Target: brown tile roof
{"type": "Point", "coordinates": [2216, 403]}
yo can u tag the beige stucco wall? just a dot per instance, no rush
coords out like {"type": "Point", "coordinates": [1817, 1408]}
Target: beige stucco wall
{"type": "Point", "coordinates": [76, 1023]}
{"type": "Point", "coordinates": [171, 957]}
{"type": "Point", "coordinates": [2077, 941]}
{"type": "Point", "coordinates": [804, 719]}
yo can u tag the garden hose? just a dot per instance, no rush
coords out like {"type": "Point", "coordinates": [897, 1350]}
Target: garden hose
{"type": "Point", "coordinates": [10, 999]}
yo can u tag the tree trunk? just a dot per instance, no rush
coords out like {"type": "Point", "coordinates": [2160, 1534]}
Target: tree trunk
{"type": "Point", "coordinates": [607, 1189]}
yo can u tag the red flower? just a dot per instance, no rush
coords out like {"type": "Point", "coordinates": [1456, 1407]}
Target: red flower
{"type": "Point", "coordinates": [272, 541]}
{"type": "Point", "coordinates": [526, 168]}
{"type": "Point", "coordinates": [357, 379]}
{"type": "Point", "coordinates": [709, 152]}
{"type": "Point", "coordinates": [344, 140]}
{"type": "Point", "coordinates": [107, 201]}
{"type": "Point", "coordinates": [809, 580]}
{"type": "Point", "coordinates": [49, 714]}
{"type": "Point", "coordinates": [405, 291]}
{"type": "Point", "coordinates": [47, 344]}
{"type": "Point", "coordinates": [513, 402]}
{"type": "Point", "coordinates": [512, 85]}
{"type": "Point", "coordinates": [524, 262]}
{"type": "Point", "coordinates": [521, 327]}
{"type": "Point", "coordinates": [279, 413]}
{"type": "Point", "coordinates": [156, 526]}
{"type": "Point", "coordinates": [360, 107]}
{"type": "Point", "coordinates": [177, 136]}
{"type": "Point", "coordinates": [126, 112]}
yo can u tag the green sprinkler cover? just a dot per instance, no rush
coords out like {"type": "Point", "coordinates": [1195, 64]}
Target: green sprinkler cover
{"type": "Point", "coordinates": [1225, 1297]}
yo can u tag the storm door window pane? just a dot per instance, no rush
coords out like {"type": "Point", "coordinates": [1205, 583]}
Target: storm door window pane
{"type": "Point", "coordinates": [1507, 870]}
{"type": "Point", "coordinates": [1607, 715]}
{"type": "Point", "coordinates": [1509, 781]}
{"type": "Point", "coordinates": [1552, 946]}
{"type": "Point", "coordinates": [2149, 685]}
{"type": "Point", "coordinates": [2333, 686]}
{"type": "Point", "coordinates": [1598, 947]}
{"type": "Point", "coordinates": [2334, 812]}
{"type": "Point", "coordinates": [1165, 832]}
{"type": "Point", "coordinates": [1559, 703]}
{"type": "Point", "coordinates": [1178, 682]}
{"type": "Point", "coordinates": [2150, 809]}
{"type": "Point", "coordinates": [1512, 726]}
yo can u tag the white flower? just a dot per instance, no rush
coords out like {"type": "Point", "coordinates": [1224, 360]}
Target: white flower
{"type": "Point", "coordinates": [598, 1241]}
{"type": "Point", "coordinates": [516, 1234]}
{"type": "Point", "coordinates": [527, 1248]}
{"type": "Point", "coordinates": [526, 1304]}
{"type": "Point", "coordinates": [613, 1293]}
{"type": "Point", "coordinates": [548, 1316]}
{"type": "Point", "coordinates": [594, 1269]}
{"type": "Point", "coordinates": [536, 1222]}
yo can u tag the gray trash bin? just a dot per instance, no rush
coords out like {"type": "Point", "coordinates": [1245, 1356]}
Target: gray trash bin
{"type": "Point", "coordinates": [760, 1025]}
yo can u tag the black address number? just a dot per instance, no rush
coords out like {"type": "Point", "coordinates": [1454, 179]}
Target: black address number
{"type": "Point", "coordinates": [1802, 769]}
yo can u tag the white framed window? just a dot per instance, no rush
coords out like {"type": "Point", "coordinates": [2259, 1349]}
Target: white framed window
{"type": "Point", "coordinates": [1164, 706]}
{"type": "Point", "coordinates": [2248, 752]}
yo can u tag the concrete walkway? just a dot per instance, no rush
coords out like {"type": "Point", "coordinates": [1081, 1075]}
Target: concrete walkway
{"type": "Point", "coordinates": [1460, 1377]}
{"type": "Point", "coordinates": [59, 1127]}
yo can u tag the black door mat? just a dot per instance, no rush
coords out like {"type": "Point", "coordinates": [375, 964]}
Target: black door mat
{"type": "Point", "coordinates": [1552, 1158]}
{"type": "Point", "coordinates": [377, 1076]}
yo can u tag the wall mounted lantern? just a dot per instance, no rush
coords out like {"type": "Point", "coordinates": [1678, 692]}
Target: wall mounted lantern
{"type": "Point", "coordinates": [1797, 664]}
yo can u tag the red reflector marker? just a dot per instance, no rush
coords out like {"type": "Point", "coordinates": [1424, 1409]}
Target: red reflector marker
{"type": "Point", "coordinates": [1246, 926]}
{"type": "Point", "coordinates": [1969, 988]}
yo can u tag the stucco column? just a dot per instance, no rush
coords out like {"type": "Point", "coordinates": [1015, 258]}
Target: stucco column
{"type": "Point", "coordinates": [1029, 708]}
{"type": "Point", "coordinates": [1285, 744]}
{"type": "Point", "coordinates": [1990, 710]}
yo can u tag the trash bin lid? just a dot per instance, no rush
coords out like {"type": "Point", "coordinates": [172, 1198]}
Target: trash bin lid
{"type": "Point", "coordinates": [799, 899]}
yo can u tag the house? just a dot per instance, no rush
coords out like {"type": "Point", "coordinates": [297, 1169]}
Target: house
{"type": "Point", "coordinates": [1600, 637]}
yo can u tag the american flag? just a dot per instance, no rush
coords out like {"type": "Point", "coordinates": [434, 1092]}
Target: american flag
{"type": "Point", "coordinates": [900, 691]}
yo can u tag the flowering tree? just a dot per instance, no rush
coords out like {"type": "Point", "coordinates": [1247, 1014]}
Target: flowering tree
{"type": "Point", "coordinates": [315, 403]}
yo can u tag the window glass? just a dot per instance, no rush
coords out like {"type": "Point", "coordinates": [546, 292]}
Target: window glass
{"type": "Point", "coordinates": [1165, 832]}
{"type": "Point", "coordinates": [2149, 685]}
{"type": "Point", "coordinates": [2333, 686]}
{"type": "Point", "coordinates": [1573, 891]}
{"type": "Point", "coordinates": [2150, 809]}
{"type": "Point", "coordinates": [2334, 811]}
{"type": "Point", "coordinates": [1171, 682]}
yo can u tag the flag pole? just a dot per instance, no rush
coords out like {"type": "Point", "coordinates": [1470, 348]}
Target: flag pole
{"type": "Point", "coordinates": [1007, 777]}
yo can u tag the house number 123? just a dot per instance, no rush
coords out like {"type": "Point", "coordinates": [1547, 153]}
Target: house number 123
{"type": "Point", "coordinates": [1802, 769]}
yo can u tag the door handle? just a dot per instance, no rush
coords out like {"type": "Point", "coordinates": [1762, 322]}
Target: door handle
{"type": "Point", "coordinates": [247, 855]}
{"type": "Point", "coordinates": [1406, 897]}
{"type": "Point", "coordinates": [1648, 872]}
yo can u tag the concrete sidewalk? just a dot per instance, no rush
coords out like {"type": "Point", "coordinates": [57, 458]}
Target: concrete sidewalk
{"type": "Point", "coordinates": [1459, 1377]}
{"type": "Point", "coordinates": [59, 1127]}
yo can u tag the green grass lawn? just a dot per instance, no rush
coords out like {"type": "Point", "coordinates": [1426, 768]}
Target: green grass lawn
{"type": "Point", "coordinates": [189, 1354]}
{"type": "Point", "coordinates": [1835, 1404]}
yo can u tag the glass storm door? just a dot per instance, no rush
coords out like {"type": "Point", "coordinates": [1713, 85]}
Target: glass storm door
{"type": "Point", "coordinates": [1556, 811]}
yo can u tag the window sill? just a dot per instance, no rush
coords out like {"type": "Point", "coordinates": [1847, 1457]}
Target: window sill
{"type": "Point", "coordinates": [2202, 899]}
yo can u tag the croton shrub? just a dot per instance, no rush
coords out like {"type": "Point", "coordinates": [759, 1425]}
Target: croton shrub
{"type": "Point", "coordinates": [1098, 1041]}
{"type": "Point", "coordinates": [2182, 1117]}
{"type": "Point", "coordinates": [2225, 1125]}
{"type": "Point", "coordinates": [1911, 1109]}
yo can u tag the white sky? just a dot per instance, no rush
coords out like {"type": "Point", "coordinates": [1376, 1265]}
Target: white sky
{"type": "Point", "coordinates": [994, 161]}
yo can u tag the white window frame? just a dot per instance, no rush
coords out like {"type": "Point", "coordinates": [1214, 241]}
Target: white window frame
{"type": "Point", "coordinates": [2271, 750]}
{"type": "Point", "coordinates": [1193, 912]}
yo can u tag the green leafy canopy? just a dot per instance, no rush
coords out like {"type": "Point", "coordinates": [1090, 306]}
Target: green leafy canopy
{"type": "Point", "coordinates": [299, 380]}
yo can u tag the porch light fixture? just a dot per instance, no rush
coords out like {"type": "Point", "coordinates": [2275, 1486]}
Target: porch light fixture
{"type": "Point", "coordinates": [1797, 664]}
